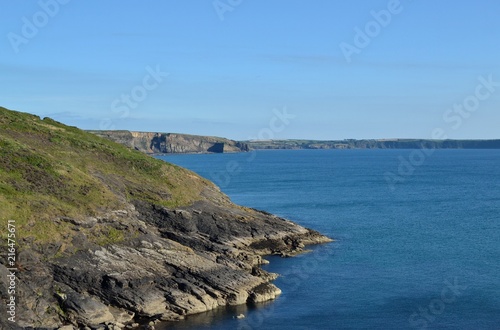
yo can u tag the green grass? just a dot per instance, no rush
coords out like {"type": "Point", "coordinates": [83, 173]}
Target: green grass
{"type": "Point", "coordinates": [49, 170]}
{"type": "Point", "coordinates": [110, 236]}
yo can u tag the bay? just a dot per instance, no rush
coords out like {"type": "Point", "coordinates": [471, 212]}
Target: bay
{"type": "Point", "coordinates": [421, 252]}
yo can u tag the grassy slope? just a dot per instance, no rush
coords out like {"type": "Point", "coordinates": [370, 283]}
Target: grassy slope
{"type": "Point", "coordinates": [49, 170]}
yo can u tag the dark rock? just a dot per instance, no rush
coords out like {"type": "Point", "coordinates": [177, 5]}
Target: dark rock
{"type": "Point", "coordinates": [183, 262]}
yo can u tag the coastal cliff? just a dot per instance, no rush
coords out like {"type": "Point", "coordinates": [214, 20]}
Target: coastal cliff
{"type": "Point", "coordinates": [106, 236]}
{"type": "Point", "coordinates": [163, 143]}
{"type": "Point", "coordinates": [374, 144]}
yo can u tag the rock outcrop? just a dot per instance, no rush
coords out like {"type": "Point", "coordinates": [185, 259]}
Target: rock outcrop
{"type": "Point", "coordinates": [173, 263]}
{"type": "Point", "coordinates": [163, 143]}
{"type": "Point", "coordinates": [107, 237]}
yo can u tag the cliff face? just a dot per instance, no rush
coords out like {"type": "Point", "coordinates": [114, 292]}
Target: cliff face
{"type": "Point", "coordinates": [151, 143]}
{"type": "Point", "coordinates": [107, 236]}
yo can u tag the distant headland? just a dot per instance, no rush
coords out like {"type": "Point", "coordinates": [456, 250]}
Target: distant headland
{"type": "Point", "coordinates": [375, 144]}
{"type": "Point", "coordinates": [166, 143]}
{"type": "Point", "coordinates": [173, 143]}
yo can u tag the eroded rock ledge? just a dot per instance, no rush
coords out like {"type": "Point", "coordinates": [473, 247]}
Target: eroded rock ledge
{"type": "Point", "coordinates": [174, 263]}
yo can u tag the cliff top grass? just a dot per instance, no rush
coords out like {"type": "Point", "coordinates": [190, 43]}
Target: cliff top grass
{"type": "Point", "coordinates": [49, 170]}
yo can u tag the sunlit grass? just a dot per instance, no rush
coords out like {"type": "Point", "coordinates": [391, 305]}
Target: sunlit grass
{"type": "Point", "coordinates": [49, 170]}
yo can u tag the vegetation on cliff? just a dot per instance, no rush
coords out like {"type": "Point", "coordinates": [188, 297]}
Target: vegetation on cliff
{"type": "Point", "coordinates": [48, 169]}
{"type": "Point", "coordinates": [107, 236]}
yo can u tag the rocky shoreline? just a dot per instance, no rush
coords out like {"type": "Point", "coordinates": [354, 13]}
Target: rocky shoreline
{"type": "Point", "coordinates": [107, 237]}
{"type": "Point", "coordinates": [173, 264]}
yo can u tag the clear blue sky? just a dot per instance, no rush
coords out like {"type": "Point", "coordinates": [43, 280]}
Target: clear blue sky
{"type": "Point", "coordinates": [232, 67]}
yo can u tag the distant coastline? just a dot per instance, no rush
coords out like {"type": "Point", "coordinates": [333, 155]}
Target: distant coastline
{"type": "Point", "coordinates": [375, 144]}
{"type": "Point", "coordinates": [175, 143]}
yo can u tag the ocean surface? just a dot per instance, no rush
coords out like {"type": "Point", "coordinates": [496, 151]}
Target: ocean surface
{"type": "Point", "coordinates": [417, 237]}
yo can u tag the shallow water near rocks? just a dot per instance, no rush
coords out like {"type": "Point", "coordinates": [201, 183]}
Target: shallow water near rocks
{"type": "Point", "coordinates": [423, 255]}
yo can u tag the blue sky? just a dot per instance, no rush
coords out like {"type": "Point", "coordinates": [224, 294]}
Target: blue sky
{"type": "Point", "coordinates": [228, 67]}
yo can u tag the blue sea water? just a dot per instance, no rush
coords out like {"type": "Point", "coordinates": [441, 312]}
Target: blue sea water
{"type": "Point", "coordinates": [419, 253]}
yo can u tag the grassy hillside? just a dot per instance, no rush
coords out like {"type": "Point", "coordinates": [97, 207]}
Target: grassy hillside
{"type": "Point", "coordinates": [49, 170]}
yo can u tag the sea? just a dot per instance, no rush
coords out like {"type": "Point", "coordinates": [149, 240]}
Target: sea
{"type": "Point", "coordinates": [416, 237]}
